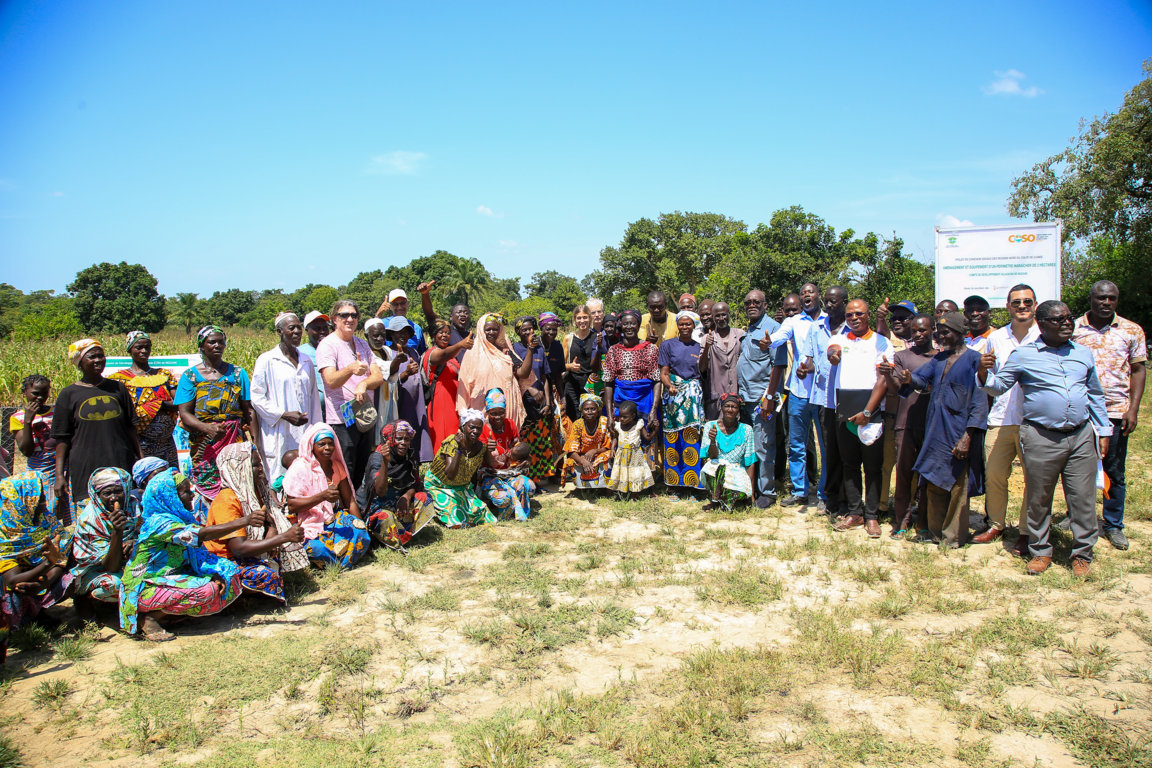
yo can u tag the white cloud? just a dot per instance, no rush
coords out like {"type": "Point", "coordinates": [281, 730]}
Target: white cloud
{"type": "Point", "coordinates": [484, 210]}
{"type": "Point", "coordinates": [508, 244]}
{"type": "Point", "coordinates": [1008, 83]}
{"type": "Point", "coordinates": [948, 221]}
{"type": "Point", "coordinates": [398, 163]}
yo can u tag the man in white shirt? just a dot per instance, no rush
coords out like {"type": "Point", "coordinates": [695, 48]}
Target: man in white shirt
{"type": "Point", "coordinates": [1002, 442]}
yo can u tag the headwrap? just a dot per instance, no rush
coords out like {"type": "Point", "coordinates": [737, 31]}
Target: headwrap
{"type": "Point", "coordinates": [282, 318]}
{"type": "Point", "coordinates": [626, 313]}
{"type": "Point", "coordinates": [688, 296]}
{"type": "Point", "coordinates": [306, 478]}
{"type": "Point", "coordinates": [470, 414]}
{"type": "Point", "coordinates": [77, 349]}
{"type": "Point", "coordinates": [730, 396]}
{"type": "Point", "coordinates": [611, 316]}
{"type": "Point", "coordinates": [525, 318]}
{"type": "Point", "coordinates": [133, 337]}
{"type": "Point", "coordinates": [235, 465]}
{"type": "Point", "coordinates": [548, 317]}
{"type": "Point", "coordinates": [372, 322]}
{"type": "Point", "coordinates": [953, 320]}
{"type": "Point", "coordinates": [589, 396]}
{"type": "Point", "coordinates": [390, 432]}
{"type": "Point", "coordinates": [495, 399]}
{"type": "Point", "coordinates": [207, 331]}
{"type": "Point", "coordinates": [145, 467]}
{"type": "Point", "coordinates": [163, 512]}
{"type": "Point", "coordinates": [102, 478]}
{"type": "Point", "coordinates": [491, 316]}
{"type": "Point", "coordinates": [20, 536]}
{"type": "Point", "coordinates": [695, 318]}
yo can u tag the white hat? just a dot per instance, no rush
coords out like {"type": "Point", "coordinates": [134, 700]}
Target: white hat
{"type": "Point", "coordinates": [396, 293]}
{"type": "Point", "coordinates": [313, 315]}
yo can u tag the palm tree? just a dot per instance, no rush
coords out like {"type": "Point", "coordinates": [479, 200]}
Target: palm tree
{"type": "Point", "coordinates": [185, 309]}
{"type": "Point", "coordinates": [467, 281]}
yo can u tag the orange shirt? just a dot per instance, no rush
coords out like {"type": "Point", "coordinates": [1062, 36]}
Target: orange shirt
{"type": "Point", "coordinates": [225, 509]}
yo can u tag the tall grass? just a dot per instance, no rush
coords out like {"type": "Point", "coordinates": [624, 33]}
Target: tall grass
{"type": "Point", "coordinates": [19, 359]}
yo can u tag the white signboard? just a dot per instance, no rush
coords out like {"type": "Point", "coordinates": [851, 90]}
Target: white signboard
{"type": "Point", "coordinates": [987, 261]}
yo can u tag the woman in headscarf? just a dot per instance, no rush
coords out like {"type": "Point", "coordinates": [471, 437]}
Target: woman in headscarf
{"type": "Point", "coordinates": [683, 402]}
{"type": "Point", "coordinates": [541, 428]}
{"type": "Point", "coordinates": [152, 391]}
{"type": "Point", "coordinates": [389, 360]}
{"type": "Point", "coordinates": [631, 374]}
{"type": "Point", "coordinates": [442, 373]}
{"type": "Point", "coordinates": [170, 572]}
{"type": "Point", "coordinates": [92, 426]}
{"type": "Point", "coordinates": [32, 566]}
{"type": "Point", "coordinates": [410, 403]}
{"type": "Point", "coordinates": [450, 480]}
{"type": "Point", "coordinates": [284, 394]}
{"type": "Point", "coordinates": [143, 471]}
{"type": "Point", "coordinates": [106, 532]}
{"type": "Point", "coordinates": [609, 335]}
{"type": "Point", "coordinates": [730, 452]}
{"type": "Point", "coordinates": [582, 362]}
{"type": "Point", "coordinates": [262, 550]}
{"type": "Point", "coordinates": [589, 446]}
{"type": "Point", "coordinates": [490, 364]}
{"type": "Point", "coordinates": [503, 485]}
{"type": "Point", "coordinates": [318, 489]}
{"type": "Point", "coordinates": [392, 493]}
{"type": "Point", "coordinates": [214, 399]}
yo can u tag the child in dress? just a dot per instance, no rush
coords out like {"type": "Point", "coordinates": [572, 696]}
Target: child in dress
{"type": "Point", "coordinates": [630, 471]}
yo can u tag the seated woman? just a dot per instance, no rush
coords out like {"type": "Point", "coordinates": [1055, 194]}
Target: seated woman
{"type": "Point", "coordinates": [256, 549]}
{"type": "Point", "coordinates": [33, 569]}
{"type": "Point", "coordinates": [730, 452]}
{"type": "Point", "coordinates": [503, 485]}
{"type": "Point", "coordinates": [318, 490]}
{"type": "Point", "coordinates": [452, 474]}
{"type": "Point", "coordinates": [170, 572]}
{"type": "Point", "coordinates": [106, 532]}
{"type": "Point", "coordinates": [589, 446]}
{"type": "Point", "coordinates": [392, 493]}
{"type": "Point", "coordinates": [143, 471]}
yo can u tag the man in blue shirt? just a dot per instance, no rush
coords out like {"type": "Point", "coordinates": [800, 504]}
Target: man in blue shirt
{"type": "Point", "coordinates": [802, 412]}
{"type": "Point", "coordinates": [758, 371]}
{"type": "Point", "coordinates": [830, 491]}
{"type": "Point", "coordinates": [1064, 414]}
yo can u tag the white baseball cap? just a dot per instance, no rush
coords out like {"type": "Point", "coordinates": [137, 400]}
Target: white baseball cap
{"type": "Point", "coordinates": [396, 293]}
{"type": "Point", "coordinates": [313, 315]}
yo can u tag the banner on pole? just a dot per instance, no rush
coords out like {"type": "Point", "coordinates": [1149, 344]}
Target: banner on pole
{"type": "Point", "coordinates": [988, 261]}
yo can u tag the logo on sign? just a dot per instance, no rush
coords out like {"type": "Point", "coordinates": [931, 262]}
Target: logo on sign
{"type": "Point", "coordinates": [1029, 238]}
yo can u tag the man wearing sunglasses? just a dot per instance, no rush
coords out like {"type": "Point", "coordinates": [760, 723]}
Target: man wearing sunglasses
{"type": "Point", "coordinates": [1002, 441]}
{"type": "Point", "coordinates": [1119, 348]}
{"type": "Point", "coordinates": [1063, 417]}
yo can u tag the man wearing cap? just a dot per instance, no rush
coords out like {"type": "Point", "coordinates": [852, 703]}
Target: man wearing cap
{"type": "Point", "coordinates": [317, 326]}
{"type": "Point", "coordinates": [977, 313]}
{"type": "Point", "coordinates": [895, 322]}
{"type": "Point", "coordinates": [397, 303]}
{"type": "Point", "coordinates": [1063, 417]}
{"type": "Point", "coordinates": [1120, 351]}
{"type": "Point", "coordinates": [284, 394]}
{"type": "Point", "coordinates": [1002, 442]}
{"type": "Point", "coordinates": [459, 319]}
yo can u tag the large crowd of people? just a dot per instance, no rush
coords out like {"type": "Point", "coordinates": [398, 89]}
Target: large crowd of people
{"type": "Point", "coordinates": [368, 430]}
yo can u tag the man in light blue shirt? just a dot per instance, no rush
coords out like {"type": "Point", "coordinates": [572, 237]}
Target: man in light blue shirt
{"type": "Point", "coordinates": [830, 491]}
{"type": "Point", "coordinates": [1064, 414]}
{"type": "Point", "coordinates": [759, 370]}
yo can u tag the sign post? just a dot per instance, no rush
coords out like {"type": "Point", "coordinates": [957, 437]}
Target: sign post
{"type": "Point", "coordinates": [988, 261]}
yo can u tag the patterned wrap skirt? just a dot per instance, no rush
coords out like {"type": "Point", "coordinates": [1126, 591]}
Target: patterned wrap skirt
{"type": "Point", "coordinates": [683, 422]}
{"type": "Point", "coordinates": [344, 541]}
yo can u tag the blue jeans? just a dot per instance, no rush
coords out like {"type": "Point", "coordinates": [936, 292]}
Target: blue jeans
{"type": "Point", "coordinates": [1114, 462]}
{"type": "Point", "coordinates": [764, 437]}
{"type": "Point", "coordinates": [801, 415]}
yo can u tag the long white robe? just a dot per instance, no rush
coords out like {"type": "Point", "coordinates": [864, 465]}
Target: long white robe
{"type": "Point", "coordinates": [279, 386]}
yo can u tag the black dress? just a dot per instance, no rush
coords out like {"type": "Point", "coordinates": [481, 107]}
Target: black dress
{"type": "Point", "coordinates": [585, 351]}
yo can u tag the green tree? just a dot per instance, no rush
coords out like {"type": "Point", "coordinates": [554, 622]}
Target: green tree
{"type": "Point", "coordinates": [562, 291]}
{"type": "Point", "coordinates": [118, 298]}
{"type": "Point", "coordinates": [186, 309]}
{"type": "Point", "coordinates": [321, 298]}
{"type": "Point", "coordinates": [226, 308]}
{"type": "Point", "coordinates": [51, 319]}
{"type": "Point", "coordinates": [533, 305]}
{"type": "Point", "coordinates": [271, 303]}
{"type": "Point", "coordinates": [1101, 187]}
{"type": "Point", "coordinates": [468, 281]}
{"type": "Point", "coordinates": [897, 277]}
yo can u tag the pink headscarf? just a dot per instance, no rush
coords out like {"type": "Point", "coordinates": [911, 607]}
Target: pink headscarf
{"type": "Point", "coordinates": [486, 366]}
{"type": "Point", "coordinates": [305, 478]}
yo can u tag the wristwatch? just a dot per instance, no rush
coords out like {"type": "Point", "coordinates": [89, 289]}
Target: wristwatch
{"type": "Point", "coordinates": [867, 413]}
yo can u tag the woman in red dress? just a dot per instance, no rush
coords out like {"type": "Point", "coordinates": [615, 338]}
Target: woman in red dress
{"type": "Point", "coordinates": [442, 371]}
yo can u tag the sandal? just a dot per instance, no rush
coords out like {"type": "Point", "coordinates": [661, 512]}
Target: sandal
{"type": "Point", "coordinates": [154, 633]}
{"type": "Point", "coordinates": [897, 535]}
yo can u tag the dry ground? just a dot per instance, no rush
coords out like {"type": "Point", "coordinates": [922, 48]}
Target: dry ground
{"type": "Point", "coordinates": [645, 633]}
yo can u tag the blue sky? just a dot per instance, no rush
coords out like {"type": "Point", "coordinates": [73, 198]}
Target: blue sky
{"type": "Point", "coordinates": [272, 144]}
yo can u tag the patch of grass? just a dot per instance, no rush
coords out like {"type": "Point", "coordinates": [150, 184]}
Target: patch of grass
{"type": "Point", "coordinates": [30, 637]}
{"type": "Point", "coordinates": [436, 599]}
{"type": "Point", "coordinates": [1090, 663]}
{"type": "Point", "coordinates": [827, 640]}
{"type": "Point", "coordinates": [490, 632]}
{"type": "Point", "coordinates": [76, 648]}
{"type": "Point", "coordinates": [526, 551]}
{"type": "Point", "coordinates": [1097, 742]}
{"type": "Point", "coordinates": [589, 562]}
{"type": "Point", "coordinates": [345, 589]}
{"type": "Point", "coordinates": [746, 585]}
{"type": "Point", "coordinates": [10, 756]}
{"type": "Point", "coordinates": [51, 693]}
{"type": "Point", "coordinates": [869, 574]}
{"type": "Point", "coordinates": [893, 605]}
{"type": "Point", "coordinates": [518, 577]}
{"type": "Point", "coordinates": [613, 619]}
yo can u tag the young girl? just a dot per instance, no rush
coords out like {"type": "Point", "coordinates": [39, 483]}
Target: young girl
{"type": "Point", "coordinates": [588, 447]}
{"type": "Point", "coordinates": [630, 470]}
{"type": "Point", "coordinates": [32, 428]}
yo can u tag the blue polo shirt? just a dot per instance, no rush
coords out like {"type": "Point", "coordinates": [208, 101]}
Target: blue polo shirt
{"type": "Point", "coordinates": [754, 367]}
{"type": "Point", "coordinates": [823, 386]}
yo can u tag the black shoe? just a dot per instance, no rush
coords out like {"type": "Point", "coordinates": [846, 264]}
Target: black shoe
{"type": "Point", "coordinates": [795, 501]}
{"type": "Point", "coordinates": [764, 502]}
{"type": "Point", "coordinates": [1116, 538]}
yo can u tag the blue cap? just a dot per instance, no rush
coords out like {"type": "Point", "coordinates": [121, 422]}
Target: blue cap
{"type": "Point", "coordinates": [904, 305]}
